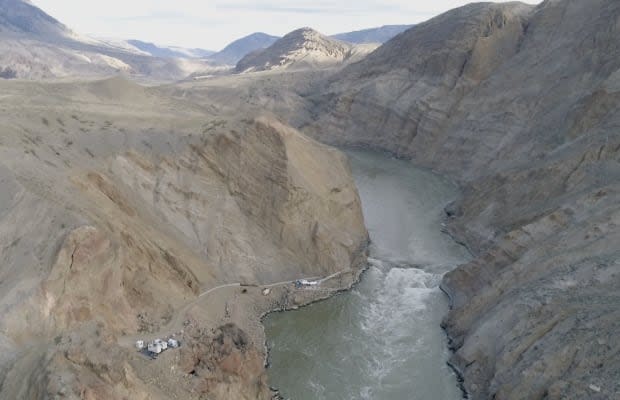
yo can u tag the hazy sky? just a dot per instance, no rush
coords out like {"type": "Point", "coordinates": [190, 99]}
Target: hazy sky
{"type": "Point", "coordinates": [211, 24]}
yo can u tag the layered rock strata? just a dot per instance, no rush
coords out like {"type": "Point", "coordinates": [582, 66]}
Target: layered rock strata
{"type": "Point", "coordinates": [519, 104]}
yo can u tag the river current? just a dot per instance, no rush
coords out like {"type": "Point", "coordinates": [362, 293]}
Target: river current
{"type": "Point", "coordinates": [382, 340]}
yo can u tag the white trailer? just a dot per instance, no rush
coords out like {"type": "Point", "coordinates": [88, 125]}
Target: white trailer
{"type": "Point", "coordinates": [162, 343]}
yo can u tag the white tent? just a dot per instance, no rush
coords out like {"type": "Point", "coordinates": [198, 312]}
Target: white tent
{"type": "Point", "coordinates": [155, 348]}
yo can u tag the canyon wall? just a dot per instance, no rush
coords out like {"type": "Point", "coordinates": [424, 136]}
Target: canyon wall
{"type": "Point", "coordinates": [519, 104]}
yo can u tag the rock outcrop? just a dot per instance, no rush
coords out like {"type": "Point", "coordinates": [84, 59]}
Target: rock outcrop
{"type": "Point", "coordinates": [227, 365]}
{"type": "Point", "coordinates": [519, 104]}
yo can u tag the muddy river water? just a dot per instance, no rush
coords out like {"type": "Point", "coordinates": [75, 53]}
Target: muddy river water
{"type": "Point", "coordinates": [382, 340]}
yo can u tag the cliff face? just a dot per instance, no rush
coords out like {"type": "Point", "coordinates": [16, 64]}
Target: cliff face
{"type": "Point", "coordinates": [121, 205]}
{"type": "Point", "coordinates": [403, 94]}
{"type": "Point", "coordinates": [520, 105]}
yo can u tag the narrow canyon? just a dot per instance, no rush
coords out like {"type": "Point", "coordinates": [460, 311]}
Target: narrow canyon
{"type": "Point", "coordinates": [470, 164]}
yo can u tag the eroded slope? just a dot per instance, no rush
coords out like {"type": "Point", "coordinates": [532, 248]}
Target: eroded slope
{"type": "Point", "coordinates": [121, 205]}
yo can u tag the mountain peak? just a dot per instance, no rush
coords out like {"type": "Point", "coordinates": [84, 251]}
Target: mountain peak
{"type": "Point", "coordinates": [306, 34]}
{"type": "Point", "coordinates": [301, 47]}
{"type": "Point", "coordinates": [22, 17]}
{"type": "Point", "coordinates": [306, 31]}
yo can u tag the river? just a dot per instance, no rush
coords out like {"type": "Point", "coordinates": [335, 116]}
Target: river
{"type": "Point", "coordinates": [381, 340]}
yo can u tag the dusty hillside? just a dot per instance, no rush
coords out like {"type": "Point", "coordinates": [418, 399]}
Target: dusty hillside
{"type": "Point", "coordinates": [120, 205]}
{"type": "Point", "coordinates": [519, 104]}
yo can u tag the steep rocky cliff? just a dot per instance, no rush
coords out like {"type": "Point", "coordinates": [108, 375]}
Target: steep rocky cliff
{"type": "Point", "coordinates": [120, 206]}
{"type": "Point", "coordinates": [519, 104]}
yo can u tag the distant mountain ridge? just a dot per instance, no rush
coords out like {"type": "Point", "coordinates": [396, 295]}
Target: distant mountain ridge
{"type": "Point", "coordinates": [372, 35]}
{"type": "Point", "coordinates": [170, 51]}
{"type": "Point", "coordinates": [301, 48]}
{"type": "Point", "coordinates": [34, 45]}
{"type": "Point", "coordinates": [22, 17]}
{"type": "Point", "coordinates": [302, 45]}
{"type": "Point", "coordinates": [234, 52]}
{"type": "Point", "coordinates": [238, 49]}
